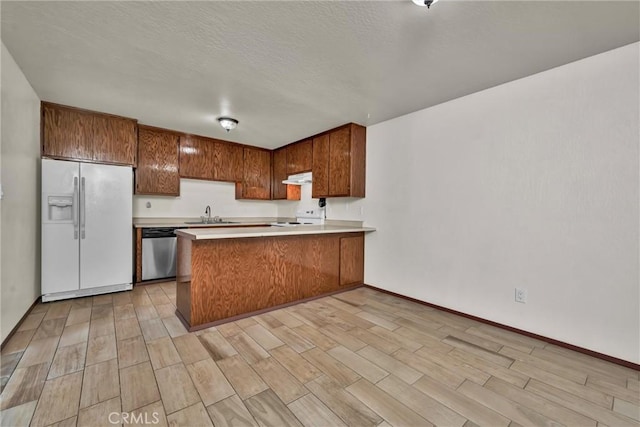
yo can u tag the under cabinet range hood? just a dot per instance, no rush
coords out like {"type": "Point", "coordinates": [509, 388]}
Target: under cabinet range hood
{"type": "Point", "coordinates": [298, 179]}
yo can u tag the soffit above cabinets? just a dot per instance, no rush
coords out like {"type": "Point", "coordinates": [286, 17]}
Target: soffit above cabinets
{"type": "Point", "coordinates": [287, 70]}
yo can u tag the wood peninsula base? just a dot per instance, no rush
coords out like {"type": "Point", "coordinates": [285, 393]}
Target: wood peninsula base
{"type": "Point", "coordinates": [220, 280]}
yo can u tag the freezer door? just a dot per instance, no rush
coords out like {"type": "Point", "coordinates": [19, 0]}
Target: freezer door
{"type": "Point", "coordinates": [60, 243]}
{"type": "Point", "coordinates": [106, 249]}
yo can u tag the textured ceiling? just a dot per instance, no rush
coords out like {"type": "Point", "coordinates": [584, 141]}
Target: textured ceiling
{"type": "Point", "coordinates": [289, 69]}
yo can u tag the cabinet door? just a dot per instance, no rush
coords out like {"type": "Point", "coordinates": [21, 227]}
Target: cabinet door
{"type": "Point", "coordinates": [299, 157]}
{"type": "Point", "coordinates": [320, 186]}
{"type": "Point", "coordinates": [196, 157]}
{"type": "Point", "coordinates": [72, 133]}
{"type": "Point", "coordinates": [352, 260]}
{"type": "Point", "coordinates": [279, 174]}
{"type": "Point", "coordinates": [114, 139]}
{"type": "Point", "coordinates": [157, 171]}
{"type": "Point", "coordinates": [66, 133]}
{"type": "Point", "coordinates": [228, 162]}
{"type": "Point", "coordinates": [358, 160]}
{"type": "Point", "coordinates": [340, 162]}
{"type": "Point", "coordinates": [256, 183]}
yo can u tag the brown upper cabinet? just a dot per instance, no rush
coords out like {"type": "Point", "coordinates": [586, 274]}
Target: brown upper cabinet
{"type": "Point", "coordinates": [278, 174]}
{"type": "Point", "coordinates": [339, 162]}
{"type": "Point", "coordinates": [196, 157]}
{"type": "Point", "coordinates": [76, 134]}
{"type": "Point", "coordinates": [158, 162]}
{"type": "Point", "coordinates": [299, 157]}
{"type": "Point", "coordinates": [280, 191]}
{"type": "Point", "coordinates": [320, 187]}
{"type": "Point", "coordinates": [228, 165]}
{"type": "Point", "coordinates": [211, 159]}
{"type": "Point", "coordinates": [256, 182]}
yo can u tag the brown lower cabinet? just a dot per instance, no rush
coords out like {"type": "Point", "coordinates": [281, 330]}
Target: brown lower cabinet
{"type": "Point", "coordinates": [352, 260]}
{"type": "Point", "coordinates": [137, 249]}
{"type": "Point", "coordinates": [220, 279]}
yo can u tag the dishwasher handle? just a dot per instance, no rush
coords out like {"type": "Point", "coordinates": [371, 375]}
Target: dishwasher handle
{"type": "Point", "coordinates": [158, 232]}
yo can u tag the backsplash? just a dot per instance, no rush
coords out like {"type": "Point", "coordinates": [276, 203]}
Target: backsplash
{"type": "Point", "coordinates": [195, 195]}
{"type": "Point", "coordinates": [343, 208]}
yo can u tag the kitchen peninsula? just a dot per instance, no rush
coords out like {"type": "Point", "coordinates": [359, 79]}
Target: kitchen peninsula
{"type": "Point", "coordinates": [224, 274]}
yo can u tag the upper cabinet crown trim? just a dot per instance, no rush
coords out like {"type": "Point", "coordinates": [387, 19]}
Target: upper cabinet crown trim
{"type": "Point", "coordinates": [83, 110]}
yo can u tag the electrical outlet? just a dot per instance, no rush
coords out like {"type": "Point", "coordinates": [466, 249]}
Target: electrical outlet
{"type": "Point", "coordinates": [521, 295]}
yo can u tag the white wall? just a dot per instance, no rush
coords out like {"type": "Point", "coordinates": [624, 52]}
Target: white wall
{"type": "Point", "coordinates": [195, 195]}
{"type": "Point", "coordinates": [531, 184]}
{"type": "Point", "coordinates": [20, 222]}
{"type": "Point", "coordinates": [288, 209]}
{"type": "Point", "coordinates": [343, 208]}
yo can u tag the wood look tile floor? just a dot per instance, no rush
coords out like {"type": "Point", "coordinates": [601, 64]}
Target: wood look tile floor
{"type": "Point", "coordinates": [360, 358]}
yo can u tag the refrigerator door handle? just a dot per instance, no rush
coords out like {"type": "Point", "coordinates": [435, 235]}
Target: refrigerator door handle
{"type": "Point", "coordinates": [74, 208]}
{"type": "Point", "coordinates": [82, 208]}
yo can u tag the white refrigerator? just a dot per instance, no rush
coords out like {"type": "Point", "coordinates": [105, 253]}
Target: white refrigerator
{"type": "Point", "coordinates": [86, 229]}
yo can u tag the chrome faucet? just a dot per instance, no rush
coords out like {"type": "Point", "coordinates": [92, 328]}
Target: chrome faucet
{"type": "Point", "coordinates": [207, 211]}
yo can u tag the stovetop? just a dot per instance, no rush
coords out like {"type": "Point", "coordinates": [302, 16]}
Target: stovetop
{"type": "Point", "coordinates": [303, 217]}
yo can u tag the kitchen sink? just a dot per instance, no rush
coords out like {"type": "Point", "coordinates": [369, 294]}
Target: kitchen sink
{"type": "Point", "coordinates": [211, 222]}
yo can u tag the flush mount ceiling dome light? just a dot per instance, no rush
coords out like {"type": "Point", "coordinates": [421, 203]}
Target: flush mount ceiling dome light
{"type": "Point", "coordinates": [228, 123]}
{"type": "Point", "coordinates": [423, 3]}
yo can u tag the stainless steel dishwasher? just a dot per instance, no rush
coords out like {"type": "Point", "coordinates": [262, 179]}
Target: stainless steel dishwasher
{"type": "Point", "coordinates": [158, 253]}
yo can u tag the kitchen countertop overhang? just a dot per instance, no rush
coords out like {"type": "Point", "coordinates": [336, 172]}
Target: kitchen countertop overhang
{"type": "Point", "coordinates": [240, 232]}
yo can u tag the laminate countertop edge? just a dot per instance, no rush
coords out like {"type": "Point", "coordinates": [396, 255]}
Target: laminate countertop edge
{"type": "Point", "coordinates": [239, 233]}
{"type": "Point", "coordinates": [182, 222]}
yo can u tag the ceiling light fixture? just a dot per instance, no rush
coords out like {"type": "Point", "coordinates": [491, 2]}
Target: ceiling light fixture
{"type": "Point", "coordinates": [228, 123]}
{"type": "Point", "coordinates": [423, 3]}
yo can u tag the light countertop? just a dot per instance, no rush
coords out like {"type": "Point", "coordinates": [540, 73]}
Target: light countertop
{"type": "Point", "coordinates": [182, 222]}
{"type": "Point", "coordinates": [237, 222]}
{"type": "Point", "coordinates": [241, 232]}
